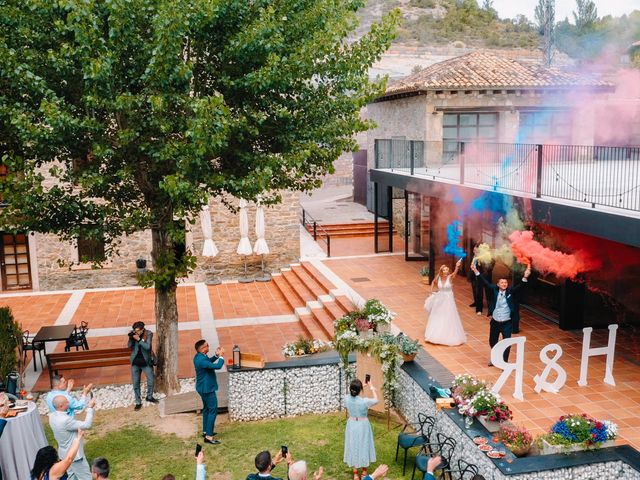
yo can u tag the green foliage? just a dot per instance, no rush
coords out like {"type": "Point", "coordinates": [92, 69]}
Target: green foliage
{"type": "Point", "coordinates": [317, 439]}
{"type": "Point", "coordinates": [476, 26]}
{"type": "Point", "coordinates": [424, 271]}
{"type": "Point", "coordinates": [407, 345]}
{"type": "Point", "coordinates": [585, 16]}
{"type": "Point", "coordinates": [423, 3]}
{"type": "Point", "coordinates": [10, 334]}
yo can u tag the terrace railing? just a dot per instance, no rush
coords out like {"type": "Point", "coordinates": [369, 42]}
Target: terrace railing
{"type": "Point", "coordinates": [592, 175]}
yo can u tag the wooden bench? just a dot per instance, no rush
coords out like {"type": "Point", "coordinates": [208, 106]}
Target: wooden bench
{"type": "Point", "coordinates": [87, 359]}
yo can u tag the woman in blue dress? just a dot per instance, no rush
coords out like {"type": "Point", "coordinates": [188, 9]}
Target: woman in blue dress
{"type": "Point", "coordinates": [359, 450]}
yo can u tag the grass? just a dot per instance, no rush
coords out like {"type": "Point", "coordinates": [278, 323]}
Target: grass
{"type": "Point", "coordinates": [139, 452]}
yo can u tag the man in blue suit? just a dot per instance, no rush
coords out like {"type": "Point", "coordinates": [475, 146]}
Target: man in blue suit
{"type": "Point", "coordinates": [207, 386]}
{"type": "Point", "coordinates": [503, 308]}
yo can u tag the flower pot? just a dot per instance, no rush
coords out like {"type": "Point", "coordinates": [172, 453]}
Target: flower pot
{"type": "Point", "coordinates": [409, 357]}
{"type": "Point", "coordinates": [489, 425]}
{"type": "Point", "coordinates": [365, 333]}
{"type": "Point", "coordinates": [518, 451]}
{"type": "Point", "coordinates": [425, 280]}
{"type": "Point", "coordinates": [549, 449]}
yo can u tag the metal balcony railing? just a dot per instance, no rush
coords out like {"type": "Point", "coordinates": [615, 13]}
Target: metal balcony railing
{"type": "Point", "coordinates": [593, 175]}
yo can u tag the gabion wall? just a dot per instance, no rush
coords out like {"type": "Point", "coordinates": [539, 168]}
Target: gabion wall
{"type": "Point", "coordinates": [412, 399]}
{"type": "Point", "coordinates": [282, 392]}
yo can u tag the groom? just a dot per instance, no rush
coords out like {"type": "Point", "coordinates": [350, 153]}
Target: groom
{"type": "Point", "coordinates": [505, 318]}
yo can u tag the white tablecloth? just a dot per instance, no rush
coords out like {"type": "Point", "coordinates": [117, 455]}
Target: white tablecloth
{"type": "Point", "coordinates": [23, 436]}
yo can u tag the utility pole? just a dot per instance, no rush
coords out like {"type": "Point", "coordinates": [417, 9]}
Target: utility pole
{"type": "Point", "coordinates": [549, 28]}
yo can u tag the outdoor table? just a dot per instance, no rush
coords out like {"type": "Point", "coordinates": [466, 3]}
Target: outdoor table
{"type": "Point", "coordinates": [23, 436]}
{"type": "Point", "coordinates": [53, 334]}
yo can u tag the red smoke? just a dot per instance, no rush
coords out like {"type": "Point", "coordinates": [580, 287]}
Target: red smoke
{"type": "Point", "coordinates": [530, 252]}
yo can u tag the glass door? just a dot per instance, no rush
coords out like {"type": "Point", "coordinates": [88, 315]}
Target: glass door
{"type": "Point", "coordinates": [416, 209]}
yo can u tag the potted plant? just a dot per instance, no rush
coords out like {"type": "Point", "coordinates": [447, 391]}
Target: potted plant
{"type": "Point", "coordinates": [488, 408]}
{"type": "Point", "coordinates": [576, 432]}
{"type": "Point", "coordinates": [408, 347]}
{"type": "Point", "coordinates": [515, 438]}
{"type": "Point", "coordinates": [10, 335]}
{"type": "Point", "coordinates": [424, 273]}
{"type": "Point", "coordinates": [305, 346]}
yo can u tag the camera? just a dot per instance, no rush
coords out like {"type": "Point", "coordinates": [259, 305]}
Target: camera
{"type": "Point", "coordinates": [367, 379]}
{"type": "Point", "coordinates": [131, 333]}
{"type": "Point", "coordinates": [285, 450]}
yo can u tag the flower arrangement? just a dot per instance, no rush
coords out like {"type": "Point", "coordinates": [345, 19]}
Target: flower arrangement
{"type": "Point", "coordinates": [372, 316]}
{"type": "Point", "coordinates": [465, 386]}
{"type": "Point", "coordinates": [515, 438]}
{"type": "Point", "coordinates": [305, 346]}
{"type": "Point", "coordinates": [407, 345]}
{"type": "Point", "coordinates": [580, 429]}
{"type": "Point", "coordinates": [424, 272]}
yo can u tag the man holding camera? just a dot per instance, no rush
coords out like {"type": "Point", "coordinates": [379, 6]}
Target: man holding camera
{"type": "Point", "coordinates": [207, 386]}
{"type": "Point", "coordinates": [142, 360]}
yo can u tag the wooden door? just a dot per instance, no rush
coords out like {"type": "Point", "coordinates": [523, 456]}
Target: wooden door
{"type": "Point", "coordinates": [14, 261]}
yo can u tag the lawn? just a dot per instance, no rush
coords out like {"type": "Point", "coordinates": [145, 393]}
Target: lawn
{"type": "Point", "coordinates": [139, 451]}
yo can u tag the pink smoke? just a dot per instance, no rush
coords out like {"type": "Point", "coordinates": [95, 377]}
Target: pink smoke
{"type": "Point", "coordinates": [531, 252]}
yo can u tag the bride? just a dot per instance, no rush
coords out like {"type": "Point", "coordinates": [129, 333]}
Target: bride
{"type": "Point", "coordinates": [444, 325]}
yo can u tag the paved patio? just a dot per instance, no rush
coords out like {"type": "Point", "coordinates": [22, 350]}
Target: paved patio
{"type": "Point", "coordinates": [257, 317]}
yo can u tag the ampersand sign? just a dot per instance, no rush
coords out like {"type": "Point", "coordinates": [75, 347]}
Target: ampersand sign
{"type": "Point", "coordinates": [551, 363]}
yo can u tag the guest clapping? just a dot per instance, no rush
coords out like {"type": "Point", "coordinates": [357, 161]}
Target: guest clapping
{"type": "Point", "coordinates": [65, 430]}
{"type": "Point", "coordinates": [298, 471]}
{"type": "Point", "coordinates": [48, 465]}
{"type": "Point", "coordinates": [62, 386]}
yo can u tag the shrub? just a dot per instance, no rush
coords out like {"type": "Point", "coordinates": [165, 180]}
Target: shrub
{"type": "Point", "coordinates": [10, 334]}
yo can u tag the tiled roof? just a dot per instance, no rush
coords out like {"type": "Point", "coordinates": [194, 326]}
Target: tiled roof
{"type": "Point", "coordinates": [481, 70]}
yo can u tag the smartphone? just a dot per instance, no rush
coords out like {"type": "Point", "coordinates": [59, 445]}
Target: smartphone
{"type": "Point", "coordinates": [198, 449]}
{"type": "Point", "coordinates": [367, 378]}
{"type": "Point", "coordinates": [285, 450]}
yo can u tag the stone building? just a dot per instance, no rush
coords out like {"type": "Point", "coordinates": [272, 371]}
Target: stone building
{"type": "Point", "coordinates": [43, 262]}
{"type": "Point", "coordinates": [562, 147]}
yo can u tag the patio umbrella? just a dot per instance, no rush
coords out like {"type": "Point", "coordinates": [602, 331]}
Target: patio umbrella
{"type": "Point", "coordinates": [261, 248]}
{"type": "Point", "coordinates": [244, 247]}
{"type": "Point", "coordinates": [209, 249]}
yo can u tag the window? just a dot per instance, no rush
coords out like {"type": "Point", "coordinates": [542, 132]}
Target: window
{"type": "Point", "coordinates": [545, 127]}
{"type": "Point", "coordinates": [90, 250]}
{"type": "Point", "coordinates": [468, 127]}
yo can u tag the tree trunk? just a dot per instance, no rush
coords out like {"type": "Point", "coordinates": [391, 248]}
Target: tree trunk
{"type": "Point", "coordinates": [166, 310]}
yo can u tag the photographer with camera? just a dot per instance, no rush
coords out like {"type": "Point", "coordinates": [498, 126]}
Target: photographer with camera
{"type": "Point", "coordinates": [142, 360]}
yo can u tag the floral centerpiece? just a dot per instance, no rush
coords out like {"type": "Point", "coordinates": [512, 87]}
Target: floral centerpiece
{"type": "Point", "coordinates": [515, 438]}
{"type": "Point", "coordinates": [476, 400]}
{"type": "Point", "coordinates": [578, 432]}
{"type": "Point", "coordinates": [305, 346]}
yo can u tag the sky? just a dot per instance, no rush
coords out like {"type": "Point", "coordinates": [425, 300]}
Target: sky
{"type": "Point", "coordinates": [511, 8]}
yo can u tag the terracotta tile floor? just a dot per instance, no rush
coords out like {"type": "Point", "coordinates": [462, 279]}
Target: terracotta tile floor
{"type": "Point", "coordinates": [35, 311]}
{"type": "Point", "coordinates": [266, 340]}
{"type": "Point", "coordinates": [396, 283]}
{"type": "Point", "coordinates": [120, 308]}
{"type": "Point", "coordinates": [240, 300]}
{"type": "Point", "coordinates": [341, 246]}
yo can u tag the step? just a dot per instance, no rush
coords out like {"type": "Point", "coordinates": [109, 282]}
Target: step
{"type": "Point", "coordinates": [318, 277]}
{"type": "Point", "coordinates": [312, 285]}
{"type": "Point", "coordinates": [345, 303]}
{"type": "Point", "coordinates": [313, 329]}
{"type": "Point", "coordinates": [334, 310]}
{"type": "Point", "coordinates": [324, 320]}
{"type": "Point", "coordinates": [287, 292]}
{"type": "Point", "coordinates": [299, 287]}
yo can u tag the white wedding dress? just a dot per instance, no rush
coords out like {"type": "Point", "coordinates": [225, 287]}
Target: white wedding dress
{"type": "Point", "coordinates": [444, 325]}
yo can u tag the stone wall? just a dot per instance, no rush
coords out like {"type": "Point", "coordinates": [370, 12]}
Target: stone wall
{"type": "Point", "coordinates": [284, 392]}
{"type": "Point", "coordinates": [412, 399]}
{"type": "Point", "coordinates": [54, 258]}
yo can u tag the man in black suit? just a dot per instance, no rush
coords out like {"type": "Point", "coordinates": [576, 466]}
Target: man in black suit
{"type": "Point", "coordinates": [478, 288]}
{"type": "Point", "coordinates": [503, 308]}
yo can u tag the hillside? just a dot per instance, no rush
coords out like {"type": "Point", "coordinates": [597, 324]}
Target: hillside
{"type": "Point", "coordinates": [442, 22]}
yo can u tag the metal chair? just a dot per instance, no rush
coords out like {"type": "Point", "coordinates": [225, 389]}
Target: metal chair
{"type": "Point", "coordinates": [78, 338]}
{"type": "Point", "coordinates": [466, 470]}
{"type": "Point", "coordinates": [444, 446]}
{"type": "Point", "coordinates": [424, 428]}
{"type": "Point", "coordinates": [28, 345]}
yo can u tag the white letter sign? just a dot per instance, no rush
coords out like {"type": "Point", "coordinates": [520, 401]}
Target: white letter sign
{"type": "Point", "coordinates": [587, 352]}
{"type": "Point", "coordinates": [497, 359]}
{"type": "Point", "coordinates": [551, 363]}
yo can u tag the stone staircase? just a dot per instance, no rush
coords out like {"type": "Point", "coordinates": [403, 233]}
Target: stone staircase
{"type": "Point", "coordinates": [314, 299]}
{"type": "Point", "coordinates": [351, 229]}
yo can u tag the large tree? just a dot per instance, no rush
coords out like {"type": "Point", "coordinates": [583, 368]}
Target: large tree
{"type": "Point", "coordinates": [140, 110]}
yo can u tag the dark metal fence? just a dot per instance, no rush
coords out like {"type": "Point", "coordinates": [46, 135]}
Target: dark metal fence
{"type": "Point", "coordinates": [593, 175]}
{"type": "Point", "coordinates": [315, 229]}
